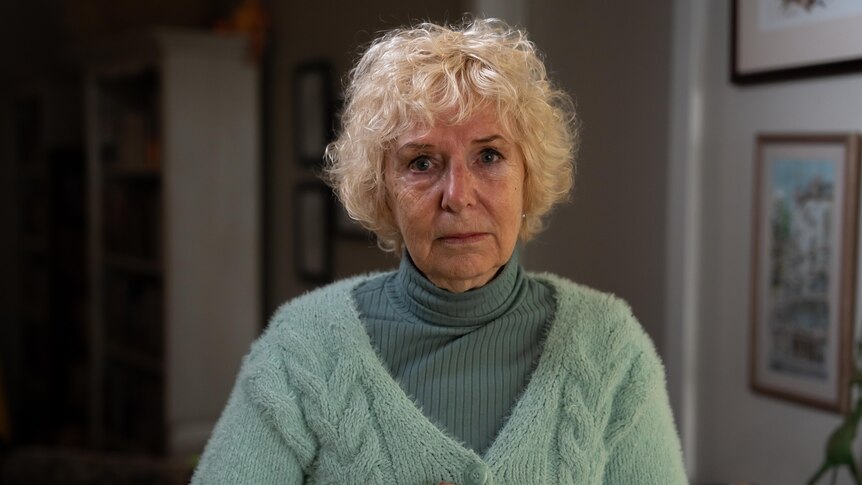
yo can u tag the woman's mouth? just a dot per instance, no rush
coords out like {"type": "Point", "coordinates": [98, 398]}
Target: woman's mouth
{"type": "Point", "coordinates": [463, 238]}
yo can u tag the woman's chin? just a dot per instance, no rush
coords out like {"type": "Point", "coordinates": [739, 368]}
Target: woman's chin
{"type": "Point", "coordinates": [462, 263]}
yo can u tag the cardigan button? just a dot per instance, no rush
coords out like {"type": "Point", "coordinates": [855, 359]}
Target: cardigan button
{"type": "Point", "coordinates": [476, 474]}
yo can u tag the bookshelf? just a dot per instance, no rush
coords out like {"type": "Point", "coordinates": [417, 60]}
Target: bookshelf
{"type": "Point", "coordinates": [173, 171]}
{"type": "Point", "coordinates": [44, 346]}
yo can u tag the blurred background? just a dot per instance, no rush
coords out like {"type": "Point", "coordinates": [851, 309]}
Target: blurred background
{"type": "Point", "coordinates": [159, 200]}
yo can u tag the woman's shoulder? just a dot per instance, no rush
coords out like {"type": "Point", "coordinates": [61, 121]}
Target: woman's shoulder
{"type": "Point", "coordinates": [598, 321]}
{"type": "Point", "coordinates": [598, 340]}
{"type": "Point", "coordinates": [583, 300]}
{"type": "Point", "coordinates": [316, 302]}
{"type": "Point", "coordinates": [312, 322]}
{"type": "Point", "coordinates": [321, 308]}
{"type": "Point", "coordinates": [301, 344]}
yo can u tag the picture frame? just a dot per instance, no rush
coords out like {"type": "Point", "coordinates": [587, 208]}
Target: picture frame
{"type": "Point", "coordinates": [774, 40]}
{"type": "Point", "coordinates": [806, 198]}
{"type": "Point", "coordinates": [312, 235]}
{"type": "Point", "coordinates": [314, 111]}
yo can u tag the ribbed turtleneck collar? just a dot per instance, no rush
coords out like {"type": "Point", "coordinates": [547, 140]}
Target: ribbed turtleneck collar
{"type": "Point", "coordinates": [411, 292]}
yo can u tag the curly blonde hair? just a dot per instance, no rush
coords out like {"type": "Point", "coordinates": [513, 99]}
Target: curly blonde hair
{"type": "Point", "coordinates": [415, 76]}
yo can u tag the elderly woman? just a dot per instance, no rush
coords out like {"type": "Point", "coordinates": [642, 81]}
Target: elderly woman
{"type": "Point", "coordinates": [459, 367]}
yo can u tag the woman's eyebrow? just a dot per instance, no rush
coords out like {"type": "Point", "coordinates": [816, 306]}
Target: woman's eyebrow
{"type": "Point", "coordinates": [414, 146]}
{"type": "Point", "coordinates": [424, 146]}
{"type": "Point", "coordinates": [489, 139]}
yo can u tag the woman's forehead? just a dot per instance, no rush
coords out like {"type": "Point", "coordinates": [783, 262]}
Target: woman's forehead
{"type": "Point", "coordinates": [481, 123]}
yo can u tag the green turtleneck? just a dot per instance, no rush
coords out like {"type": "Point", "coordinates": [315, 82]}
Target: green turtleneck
{"type": "Point", "coordinates": [465, 357]}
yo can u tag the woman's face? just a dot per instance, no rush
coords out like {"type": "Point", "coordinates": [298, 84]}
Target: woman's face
{"type": "Point", "coordinates": [456, 192]}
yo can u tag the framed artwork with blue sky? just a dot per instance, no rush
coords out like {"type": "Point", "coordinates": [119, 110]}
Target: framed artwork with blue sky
{"type": "Point", "coordinates": [806, 206]}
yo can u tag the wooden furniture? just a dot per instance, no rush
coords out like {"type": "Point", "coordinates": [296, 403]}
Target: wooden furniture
{"type": "Point", "coordinates": [45, 344]}
{"type": "Point", "coordinates": [174, 204]}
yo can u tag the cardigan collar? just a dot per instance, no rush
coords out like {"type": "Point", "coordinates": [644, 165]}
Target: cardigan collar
{"type": "Point", "coordinates": [414, 294]}
{"type": "Point", "coordinates": [532, 407]}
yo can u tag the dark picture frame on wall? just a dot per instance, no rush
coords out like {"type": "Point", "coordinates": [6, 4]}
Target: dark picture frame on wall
{"type": "Point", "coordinates": [806, 198]}
{"type": "Point", "coordinates": [312, 235]}
{"type": "Point", "coordinates": [773, 40]}
{"type": "Point", "coordinates": [313, 111]}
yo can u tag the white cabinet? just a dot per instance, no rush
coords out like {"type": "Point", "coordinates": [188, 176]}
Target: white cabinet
{"type": "Point", "coordinates": [173, 164]}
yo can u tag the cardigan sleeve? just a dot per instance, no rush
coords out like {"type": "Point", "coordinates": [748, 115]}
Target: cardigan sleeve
{"type": "Point", "coordinates": [249, 444]}
{"type": "Point", "coordinates": [644, 448]}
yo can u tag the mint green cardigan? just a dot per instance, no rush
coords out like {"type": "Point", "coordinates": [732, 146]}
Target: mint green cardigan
{"type": "Point", "coordinates": [314, 404]}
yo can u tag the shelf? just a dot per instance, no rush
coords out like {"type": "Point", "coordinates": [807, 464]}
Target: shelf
{"type": "Point", "coordinates": [133, 265]}
{"type": "Point", "coordinates": [134, 358]}
{"type": "Point", "coordinates": [147, 182]}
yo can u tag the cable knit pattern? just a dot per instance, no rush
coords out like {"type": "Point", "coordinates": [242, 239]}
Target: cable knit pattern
{"type": "Point", "coordinates": [315, 405]}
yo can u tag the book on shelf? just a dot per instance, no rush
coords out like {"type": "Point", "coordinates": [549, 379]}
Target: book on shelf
{"type": "Point", "coordinates": [132, 222]}
{"type": "Point", "coordinates": [133, 314]}
{"type": "Point", "coordinates": [132, 140]}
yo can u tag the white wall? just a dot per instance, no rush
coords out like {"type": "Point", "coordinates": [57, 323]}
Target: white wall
{"type": "Point", "coordinates": [740, 435]}
{"type": "Point", "coordinates": [682, 271]}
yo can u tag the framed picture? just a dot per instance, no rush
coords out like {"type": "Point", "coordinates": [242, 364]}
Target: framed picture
{"type": "Point", "coordinates": [784, 39]}
{"type": "Point", "coordinates": [312, 237]}
{"type": "Point", "coordinates": [803, 271]}
{"type": "Point", "coordinates": [313, 111]}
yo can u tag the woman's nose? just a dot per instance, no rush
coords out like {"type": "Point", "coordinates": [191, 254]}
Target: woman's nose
{"type": "Point", "coordinates": [459, 191]}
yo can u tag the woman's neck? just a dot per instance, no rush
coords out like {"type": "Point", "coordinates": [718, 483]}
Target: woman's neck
{"type": "Point", "coordinates": [421, 297]}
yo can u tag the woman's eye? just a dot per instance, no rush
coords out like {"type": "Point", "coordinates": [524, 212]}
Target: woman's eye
{"type": "Point", "coordinates": [490, 156]}
{"type": "Point", "coordinates": [420, 164]}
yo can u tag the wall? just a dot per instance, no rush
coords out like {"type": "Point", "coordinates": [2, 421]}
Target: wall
{"type": "Point", "coordinates": [30, 33]}
{"type": "Point", "coordinates": [514, 12]}
{"type": "Point", "coordinates": [311, 31]}
{"type": "Point", "coordinates": [614, 57]}
{"type": "Point", "coordinates": [740, 435]}
{"type": "Point", "coordinates": [682, 270]}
